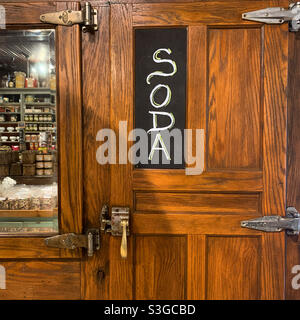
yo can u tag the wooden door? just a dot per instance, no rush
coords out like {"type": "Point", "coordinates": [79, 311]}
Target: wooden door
{"type": "Point", "coordinates": [186, 241]}
{"type": "Point", "coordinates": [29, 269]}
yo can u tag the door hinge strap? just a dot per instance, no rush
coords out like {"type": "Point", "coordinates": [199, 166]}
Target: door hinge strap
{"type": "Point", "coordinates": [290, 223]}
{"type": "Point", "coordinates": [87, 17]}
{"type": "Point", "coordinates": [90, 241]}
{"type": "Point", "coordinates": [277, 15]}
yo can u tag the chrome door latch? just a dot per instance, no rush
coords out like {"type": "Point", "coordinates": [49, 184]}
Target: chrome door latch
{"type": "Point", "coordinates": [87, 17]}
{"type": "Point", "coordinates": [277, 15]}
{"type": "Point", "coordinates": [117, 225]}
{"type": "Point", "coordinates": [290, 223]}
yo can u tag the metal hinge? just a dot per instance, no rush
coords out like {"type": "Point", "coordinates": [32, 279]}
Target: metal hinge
{"type": "Point", "coordinates": [290, 223]}
{"type": "Point", "coordinates": [117, 225]}
{"type": "Point", "coordinates": [87, 17]}
{"type": "Point", "coordinates": [277, 16]}
{"type": "Point", "coordinates": [90, 241]}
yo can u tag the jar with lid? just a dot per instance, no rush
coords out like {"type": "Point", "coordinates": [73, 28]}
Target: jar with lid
{"type": "Point", "coordinates": [2, 118]}
{"type": "Point", "coordinates": [29, 99]}
{"type": "Point", "coordinates": [36, 118]}
{"type": "Point", "coordinates": [20, 79]}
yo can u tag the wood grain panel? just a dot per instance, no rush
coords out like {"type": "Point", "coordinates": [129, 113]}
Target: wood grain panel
{"type": "Point", "coordinates": [121, 43]}
{"type": "Point", "coordinates": [196, 267]}
{"type": "Point", "coordinates": [233, 268]}
{"type": "Point", "coordinates": [96, 112]}
{"type": "Point", "coordinates": [26, 13]}
{"type": "Point", "coordinates": [230, 12]}
{"type": "Point", "coordinates": [293, 160]}
{"type": "Point", "coordinates": [234, 99]}
{"type": "Point", "coordinates": [275, 118]}
{"type": "Point", "coordinates": [196, 93]}
{"type": "Point", "coordinates": [274, 158]}
{"type": "Point", "coordinates": [159, 261]}
{"type": "Point", "coordinates": [177, 180]}
{"type": "Point", "coordinates": [159, 202]}
{"type": "Point", "coordinates": [41, 280]}
{"type": "Point", "coordinates": [273, 266]}
{"type": "Point", "coordinates": [32, 248]}
{"type": "Point", "coordinates": [188, 223]}
{"type": "Point", "coordinates": [69, 116]}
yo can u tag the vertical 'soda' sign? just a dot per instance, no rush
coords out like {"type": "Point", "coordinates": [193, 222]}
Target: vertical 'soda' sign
{"type": "Point", "coordinates": [159, 142]}
{"type": "Point", "coordinates": [160, 94]}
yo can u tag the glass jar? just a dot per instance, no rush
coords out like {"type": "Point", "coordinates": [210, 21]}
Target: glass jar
{"type": "Point", "coordinates": [52, 82]}
{"type": "Point", "coordinates": [20, 79]}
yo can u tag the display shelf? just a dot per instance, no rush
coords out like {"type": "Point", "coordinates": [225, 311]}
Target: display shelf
{"type": "Point", "coordinates": [33, 180]}
{"type": "Point", "coordinates": [27, 91]}
{"type": "Point", "coordinates": [10, 104]}
{"type": "Point", "coordinates": [38, 113]}
{"type": "Point", "coordinates": [9, 122]}
{"type": "Point", "coordinates": [28, 213]}
{"type": "Point", "coordinates": [9, 113]}
{"type": "Point", "coordinates": [16, 142]}
{"type": "Point", "coordinates": [40, 104]}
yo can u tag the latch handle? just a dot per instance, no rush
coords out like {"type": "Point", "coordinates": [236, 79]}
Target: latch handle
{"type": "Point", "coordinates": [123, 249]}
{"type": "Point", "coordinates": [116, 225]}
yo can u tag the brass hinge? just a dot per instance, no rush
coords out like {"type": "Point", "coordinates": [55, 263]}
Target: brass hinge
{"type": "Point", "coordinates": [87, 17]}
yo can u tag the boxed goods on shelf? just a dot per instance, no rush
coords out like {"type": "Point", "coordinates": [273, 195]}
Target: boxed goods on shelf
{"type": "Point", "coordinates": [16, 169]}
{"type": "Point", "coordinates": [5, 157]}
{"type": "Point", "coordinates": [28, 169]}
{"type": "Point", "coordinates": [4, 169]}
{"type": "Point", "coordinates": [28, 157]}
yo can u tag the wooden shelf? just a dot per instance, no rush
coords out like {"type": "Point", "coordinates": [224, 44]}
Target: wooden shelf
{"type": "Point", "coordinates": [27, 91]}
{"type": "Point", "coordinates": [34, 180]}
{"type": "Point", "coordinates": [29, 213]}
{"type": "Point", "coordinates": [16, 142]}
{"type": "Point", "coordinates": [40, 104]}
{"type": "Point", "coordinates": [9, 104]}
{"type": "Point", "coordinates": [39, 122]}
{"type": "Point", "coordinates": [12, 113]}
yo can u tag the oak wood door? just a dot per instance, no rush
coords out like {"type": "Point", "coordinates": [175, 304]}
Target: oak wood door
{"type": "Point", "coordinates": [186, 241]}
{"type": "Point", "coordinates": [32, 270]}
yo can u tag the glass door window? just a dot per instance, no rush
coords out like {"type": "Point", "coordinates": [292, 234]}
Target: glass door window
{"type": "Point", "coordinates": [28, 133]}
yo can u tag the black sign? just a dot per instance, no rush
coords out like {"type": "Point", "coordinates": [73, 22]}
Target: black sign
{"type": "Point", "coordinates": [160, 96]}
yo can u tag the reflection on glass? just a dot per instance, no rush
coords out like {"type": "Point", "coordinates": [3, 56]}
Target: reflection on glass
{"type": "Point", "coordinates": [28, 158]}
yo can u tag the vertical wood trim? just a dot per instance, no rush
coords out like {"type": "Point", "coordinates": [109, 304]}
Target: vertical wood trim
{"type": "Point", "coordinates": [196, 267]}
{"type": "Point", "coordinates": [121, 271]}
{"type": "Point", "coordinates": [196, 81]}
{"type": "Point", "coordinates": [96, 88]}
{"type": "Point", "coordinates": [293, 160]}
{"type": "Point", "coordinates": [69, 98]}
{"type": "Point", "coordinates": [274, 155]}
